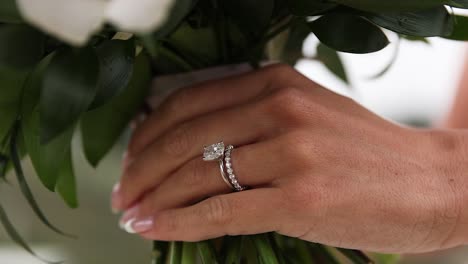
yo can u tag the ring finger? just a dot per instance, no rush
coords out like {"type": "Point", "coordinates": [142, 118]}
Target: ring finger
{"type": "Point", "coordinates": [199, 179]}
{"type": "Point", "coordinates": [237, 126]}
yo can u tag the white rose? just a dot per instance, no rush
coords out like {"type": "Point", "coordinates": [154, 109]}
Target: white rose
{"type": "Point", "coordinates": [75, 21]}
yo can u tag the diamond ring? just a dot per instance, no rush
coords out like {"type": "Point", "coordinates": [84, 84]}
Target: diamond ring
{"type": "Point", "coordinates": [215, 152]}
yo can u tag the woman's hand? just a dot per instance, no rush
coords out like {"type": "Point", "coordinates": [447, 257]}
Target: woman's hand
{"type": "Point", "coordinates": [319, 166]}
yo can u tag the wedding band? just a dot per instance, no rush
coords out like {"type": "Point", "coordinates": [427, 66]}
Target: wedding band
{"type": "Point", "coordinates": [216, 152]}
{"type": "Point", "coordinates": [230, 171]}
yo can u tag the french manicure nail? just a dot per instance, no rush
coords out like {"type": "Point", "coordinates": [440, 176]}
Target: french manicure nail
{"type": "Point", "coordinates": [130, 214]}
{"type": "Point", "coordinates": [116, 199]}
{"type": "Point", "coordinates": [134, 225]}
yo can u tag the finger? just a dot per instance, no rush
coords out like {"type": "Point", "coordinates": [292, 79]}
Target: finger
{"type": "Point", "coordinates": [184, 143]}
{"type": "Point", "coordinates": [199, 179]}
{"type": "Point", "coordinates": [211, 96]}
{"type": "Point", "coordinates": [230, 214]}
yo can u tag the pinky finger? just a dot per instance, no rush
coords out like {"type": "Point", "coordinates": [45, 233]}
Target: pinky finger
{"type": "Point", "coordinates": [241, 213]}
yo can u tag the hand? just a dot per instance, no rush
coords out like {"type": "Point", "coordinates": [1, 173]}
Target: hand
{"type": "Point", "coordinates": [319, 166]}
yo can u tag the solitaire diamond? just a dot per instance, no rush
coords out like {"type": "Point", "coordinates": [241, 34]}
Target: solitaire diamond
{"type": "Point", "coordinates": [213, 152]}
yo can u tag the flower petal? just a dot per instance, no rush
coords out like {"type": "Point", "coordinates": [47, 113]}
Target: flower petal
{"type": "Point", "coordinates": [73, 21]}
{"type": "Point", "coordinates": [138, 16]}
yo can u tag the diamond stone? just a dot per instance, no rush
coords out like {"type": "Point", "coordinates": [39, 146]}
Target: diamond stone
{"type": "Point", "coordinates": [213, 152]}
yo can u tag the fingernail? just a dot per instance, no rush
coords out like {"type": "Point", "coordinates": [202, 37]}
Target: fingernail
{"type": "Point", "coordinates": [134, 225]}
{"type": "Point", "coordinates": [130, 214]}
{"type": "Point", "coordinates": [116, 199]}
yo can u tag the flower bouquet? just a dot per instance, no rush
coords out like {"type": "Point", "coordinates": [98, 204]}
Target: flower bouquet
{"type": "Point", "coordinates": [86, 65]}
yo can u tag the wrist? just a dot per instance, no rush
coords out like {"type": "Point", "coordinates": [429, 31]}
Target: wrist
{"type": "Point", "coordinates": [448, 156]}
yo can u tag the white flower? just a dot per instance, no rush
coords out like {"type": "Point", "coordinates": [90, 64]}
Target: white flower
{"type": "Point", "coordinates": [75, 21]}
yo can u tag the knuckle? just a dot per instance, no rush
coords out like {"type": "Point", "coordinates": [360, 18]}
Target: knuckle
{"type": "Point", "coordinates": [218, 211]}
{"type": "Point", "coordinates": [177, 141]}
{"type": "Point", "coordinates": [298, 150]}
{"type": "Point", "coordinates": [287, 104]}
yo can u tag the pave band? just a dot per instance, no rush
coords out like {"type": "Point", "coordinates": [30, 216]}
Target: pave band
{"type": "Point", "coordinates": [230, 171]}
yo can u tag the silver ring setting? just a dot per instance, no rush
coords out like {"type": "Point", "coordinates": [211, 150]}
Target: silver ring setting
{"type": "Point", "coordinates": [230, 171]}
{"type": "Point", "coordinates": [218, 152]}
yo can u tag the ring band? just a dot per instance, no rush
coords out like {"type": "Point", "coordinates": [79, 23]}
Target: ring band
{"type": "Point", "coordinates": [230, 171]}
{"type": "Point", "coordinates": [219, 152]}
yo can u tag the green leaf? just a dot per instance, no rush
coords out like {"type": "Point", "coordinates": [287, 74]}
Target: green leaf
{"type": "Point", "coordinates": [416, 39]}
{"type": "Point", "coordinates": [351, 33]}
{"type": "Point", "coordinates": [174, 253]}
{"type": "Point", "coordinates": [460, 29]}
{"type": "Point", "coordinates": [4, 160]}
{"type": "Point", "coordinates": [9, 12]}
{"type": "Point", "coordinates": [207, 252]}
{"type": "Point", "coordinates": [331, 59]}
{"type": "Point", "coordinates": [16, 237]}
{"type": "Point", "coordinates": [14, 154]}
{"type": "Point", "coordinates": [321, 254]}
{"type": "Point", "coordinates": [179, 11]}
{"type": "Point", "coordinates": [293, 50]}
{"type": "Point", "coordinates": [264, 248]}
{"type": "Point", "coordinates": [69, 85]}
{"type": "Point", "coordinates": [101, 128]}
{"type": "Point", "coordinates": [252, 17]}
{"type": "Point", "coordinates": [232, 249]}
{"type": "Point", "coordinates": [189, 253]}
{"type": "Point", "coordinates": [116, 58]}
{"type": "Point", "coordinates": [66, 183]}
{"type": "Point", "coordinates": [356, 256]}
{"type": "Point", "coordinates": [424, 23]}
{"type": "Point", "coordinates": [310, 7]}
{"type": "Point", "coordinates": [11, 83]}
{"type": "Point", "coordinates": [46, 159]}
{"type": "Point", "coordinates": [21, 46]}
{"type": "Point", "coordinates": [391, 6]}
{"type": "Point", "coordinates": [386, 258]}
{"type": "Point", "coordinates": [458, 3]}
{"type": "Point", "coordinates": [159, 252]}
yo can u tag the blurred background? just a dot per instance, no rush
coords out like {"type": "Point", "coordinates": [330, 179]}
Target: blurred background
{"type": "Point", "coordinates": [417, 90]}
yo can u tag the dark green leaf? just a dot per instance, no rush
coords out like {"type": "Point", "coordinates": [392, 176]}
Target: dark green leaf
{"type": "Point", "coordinates": [46, 159]}
{"type": "Point", "coordinates": [14, 154]}
{"type": "Point", "coordinates": [356, 256]}
{"type": "Point", "coordinates": [159, 252]}
{"type": "Point", "coordinates": [351, 33]}
{"type": "Point", "coordinates": [391, 6]}
{"type": "Point", "coordinates": [460, 29]}
{"type": "Point", "coordinates": [331, 59]}
{"type": "Point", "coordinates": [69, 86]}
{"type": "Point", "coordinates": [16, 237]}
{"type": "Point", "coordinates": [264, 248]}
{"type": "Point", "coordinates": [66, 182]}
{"type": "Point", "coordinates": [321, 254]}
{"type": "Point", "coordinates": [204, 54]}
{"type": "Point", "coordinates": [9, 12]}
{"type": "Point", "coordinates": [180, 9]}
{"type": "Point", "coordinates": [21, 46]}
{"type": "Point", "coordinates": [252, 17]}
{"type": "Point", "coordinates": [11, 83]}
{"type": "Point", "coordinates": [457, 3]}
{"type": "Point", "coordinates": [391, 63]}
{"type": "Point", "coordinates": [174, 253]}
{"type": "Point", "coordinates": [100, 128]}
{"type": "Point", "coordinates": [3, 166]}
{"type": "Point", "coordinates": [424, 23]}
{"type": "Point", "coordinates": [116, 58]}
{"type": "Point", "coordinates": [293, 50]}
{"type": "Point", "coordinates": [232, 249]}
{"type": "Point", "coordinates": [207, 252]}
{"type": "Point", "coordinates": [310, 7]}
{"type": "Point", "coordinates": [413, 38]}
